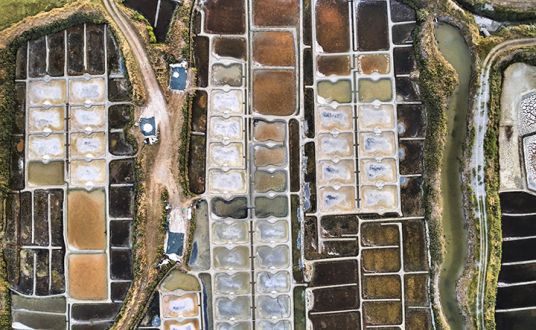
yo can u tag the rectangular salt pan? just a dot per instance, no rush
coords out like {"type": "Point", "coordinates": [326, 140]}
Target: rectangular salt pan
{"type": "Point", "coordinates": [235, 308]}
{"type": "Point", "coordinates": [237, 283]}
{"type": "Point", "coordinates": [377, 145]}
{"type": "Point", "coordinates": [47, 147]}
{"type": "Point", "coordinates": [341, 145]}
{"type": "Point", "coordinates": [230, 232]}
{"type": "Point", "coordinates": [82, 118]}
{"type": "Point", "coordinates": [332, 173]}
{"type": "Point", "coordinates": [87, 146]}
{"type": "Point", "coordinates": [331, 119]}
{"type": "Point", "coordinates": [376, 117]}
{"type": "Point", "coordinates": [42, 93]}
{"type": "Point", "coordinates": [42, 120]}
{"type": "Point", "coordinates": [333, 201]}
{"type": "Point", "coordinates": [226, 129]}
{"type": "Point", "coordinates": [227, 102]}
{"type": "Point", "coordinates": [231, 259]}
{"type": "Point", "coordinates": [272, 257]}
{"type": "Point", "coordinates": [373, 172]}
{"type": "Point", "coordinates": [268, 282]}
{"type": "Point", "coordinates": [88, 91]}
{"type": "Point", "coordinates": [227, 182]}
{"type": "Point", "coordinates": [231, 155]}
{"type": "Point", "coordinates": [379, 200]}
{"type": "Point", "coordinates": [268, 232]}
{"type": "Point", "coordinates": [277, 307]}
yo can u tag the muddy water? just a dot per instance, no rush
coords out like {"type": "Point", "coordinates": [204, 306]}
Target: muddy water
{"type": "Point", "coordinates": [340, 91]}
{"type": "Point", "coordinates": [453, 47]}
{"type": "Point", "coordinates": [370, 90]}
{"type": "Point", "coordinates": [45, 174]}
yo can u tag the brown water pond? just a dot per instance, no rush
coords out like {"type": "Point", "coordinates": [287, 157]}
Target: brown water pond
{"type": "Point", "coordinates": [225, 17]}
{"type": "Point", "coordinates": [332, 25]}
{"type": "Point", "coordinates": [276, 12]}
{"type": "Point", "coordinates": [274, 92]}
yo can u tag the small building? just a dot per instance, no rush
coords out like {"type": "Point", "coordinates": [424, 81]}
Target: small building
{"type": "Point", "coordinates": [148, 129]}
{"type": "Point", "coordinates": [178, 80]}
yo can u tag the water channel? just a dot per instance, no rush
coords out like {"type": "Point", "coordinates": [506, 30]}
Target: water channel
{"type": "Point", "coordinates": [453, 47]}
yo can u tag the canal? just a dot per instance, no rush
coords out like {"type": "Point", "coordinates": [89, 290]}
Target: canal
{"type": "Point", "coordinates": [454, 48]}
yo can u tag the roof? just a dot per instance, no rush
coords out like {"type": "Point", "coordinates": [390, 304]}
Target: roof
{"type": "Point", "coordinates": [148, 126]}
{"type": "Point", "coordinates": [178, 76]}
{"type": "Point", "coordinates": [175, 243]}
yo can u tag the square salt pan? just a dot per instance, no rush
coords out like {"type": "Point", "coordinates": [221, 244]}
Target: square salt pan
{"type": "Point", "coordinates": [373, 145]}
{"type": "Point", "coordinates": [231, 155]}
{"type": "Point", "coordinates": [87, 119]}
{"type": "Point", "coordinates": [381, 117]}
{"type": "Point", "coordinates": [82, 91]}
{"type": "Point", "coordinates": [43, 93]}
{"type": "Point", "coordinates": [332, 173]}
{"type": "Point", "coordinates": [46, 147]}
{"type": "Point", "coordinates": [232, 182]}
{"type": "Point", "coordinates": [334, 201]}
{"type": "Point", "coordinates": [379, 200]}
{"type": "Point", "coordinates": [46, 120]}
{"type": "Point", "coordinates": [340, 118]}
{"type": "Point", "coordinates": [341, 145]}
{"type": "Point", "coordinates": [87, 145]}
{"type": "Point", "coordinates": [226, 129]}
{"type": "Point", "coordinates": [84, 173]}
{"type": "Point", "coordinates": [227, 102]}
{"type": "Point", "coordinates": [373, 172]}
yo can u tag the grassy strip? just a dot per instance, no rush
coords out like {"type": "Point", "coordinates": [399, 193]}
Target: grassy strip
{"type": "Point", "coordinates": [491, 150]}
{"type": "Point", "coordinates": [136, 16]}
{"type": "Point", "coordinates": [498, 13]}
{"type": "Point", "coordinates": [184, 150]}
{"type": "Point", "coordinates": [19, 9]}
{"type": "Point", "coordinates": [185, 15]}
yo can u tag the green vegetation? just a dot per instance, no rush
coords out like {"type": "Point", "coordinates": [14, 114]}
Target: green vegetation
{"type": "Point", "coordinates": [19, 9]}
{"type": "Point", "coordinates": [499, 12]}
{"type": "Point", "coordinates": [7, 113]}
{"type": "Point", "coordinates": [136, 16]}
{"type": "Point", "coordinates": [437, 81]}
{"type": "Point", "coordinates": [184, 15]}
{"type": "Point", "coordinates": [491, 150]}
{"type": "Point", "coordinates": [184, 147]}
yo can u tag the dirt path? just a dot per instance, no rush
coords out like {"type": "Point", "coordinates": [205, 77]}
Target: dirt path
{"type": "Point", "coordinates": [159, 164]}
{"type": "Point", "coordinates": [155, 106]}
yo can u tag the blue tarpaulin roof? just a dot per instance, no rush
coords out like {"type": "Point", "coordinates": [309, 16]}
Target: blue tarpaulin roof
{"type": "Point", "coordinates": [178, 77]}
{"type": "Point", "coordinates": [175, 243]}
{"type": "Point", "coordinates": [148, 126]}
